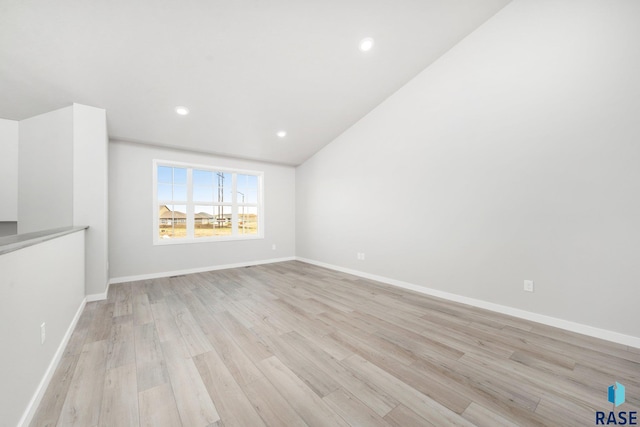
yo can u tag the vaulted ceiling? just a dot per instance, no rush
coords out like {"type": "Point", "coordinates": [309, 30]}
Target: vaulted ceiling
{"type": "Point", "coordinates": [245, 69]}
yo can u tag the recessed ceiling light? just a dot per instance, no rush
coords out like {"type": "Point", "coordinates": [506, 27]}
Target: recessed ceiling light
{"type": "Point", "coordinates": [281, 134]}
{"type": "Point", "coordinates": [183, 111]}
{"type": "Point", "coordinates": [366, 44]}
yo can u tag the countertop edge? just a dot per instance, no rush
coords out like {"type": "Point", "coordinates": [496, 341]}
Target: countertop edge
{"type": "Point", "coordinates": [21, 241]}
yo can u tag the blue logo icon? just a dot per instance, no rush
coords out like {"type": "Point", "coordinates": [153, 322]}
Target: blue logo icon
{"type": "Point", "coordinates": [616, 394]}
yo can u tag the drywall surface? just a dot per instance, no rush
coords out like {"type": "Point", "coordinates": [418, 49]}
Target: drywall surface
{"type": "Point", "coordinates": [8, 170]}
{"type": "Point", "coordinates": [41, 283]}
{"type": "Point", "coordinates": [515, 156]}
{"type": "Point", "coordinates": [131, 210]}
{"type": "Point", "coordinates": [45, 171]}
{"type": "Point", "coordinates": [90, 191]}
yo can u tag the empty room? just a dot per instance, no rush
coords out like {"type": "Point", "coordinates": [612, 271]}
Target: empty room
{"type": "Point", "coordinates": [319, 213]}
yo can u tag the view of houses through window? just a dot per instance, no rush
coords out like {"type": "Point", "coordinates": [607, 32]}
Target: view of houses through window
{"type": "Point", "coordinates": [196, 203]}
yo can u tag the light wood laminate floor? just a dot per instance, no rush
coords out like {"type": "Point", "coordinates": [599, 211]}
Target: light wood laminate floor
{"type": "Point", "coordinates": [291, 344]}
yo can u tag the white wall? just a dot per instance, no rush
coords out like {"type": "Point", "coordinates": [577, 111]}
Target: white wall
{"type": "Point", "coordinates": [8, 170]}
{"type": "Point", "coordinates": [90, 191]}
{"type": "Point", "coordinates": [131, 249]}
{"type": "Point", "coordinates": [515, 156]}
{"type": "Point", "coordinates": [63, 180]}
{"type": "Point", "coordinates": [51, 293]}
{"type": "Point", "coordinates": [45, 171]}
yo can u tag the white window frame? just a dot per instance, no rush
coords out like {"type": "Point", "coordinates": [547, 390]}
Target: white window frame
{"type": "Point", "coordinates": [190, 204]}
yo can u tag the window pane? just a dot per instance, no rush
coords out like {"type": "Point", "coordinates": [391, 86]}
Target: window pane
{"type": "Point", "coordinates": [179, 192]}
{"type": "Point", "coordinates": [241, 181]}
{"type": "Point", "coordinates": [203, 194]}
{"type": "Point", "coordinates": [218, 195]}
{"type": "Point", "coordinates": [248, 196]}
{"type": "Point", "coordinates": [223, 185]}
{"type": "Point", "coordinates": [212, 221]}
{"type": "Point", "coordinates": [172, 220]}
{"type": "Point", "coordinates": [204, 221]}
{"type": "Point", "coordinates": [204, 183]}
{"type": "Point", "coordinates": [247, 189]}
{"type": "Point", "coordinates": [165, 192]}
{"type": "Point", "coordinates": [247, 220]}
{"type": "Point", "coordinates": [241, 197]}
{"type": "Point", "coordinates": [179, 176]}
{"type": "Point", "coordinates": [165, 174]}
{"type": "Point", "coordinates": [247, 182]}
{"type": "Point", "coordinates": [226, 194]}
{"type": "Point", "coordinates": [203, 178]}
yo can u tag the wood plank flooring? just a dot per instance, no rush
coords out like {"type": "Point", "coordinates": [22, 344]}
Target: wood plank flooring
{"type": "Point", "coordinates": [291, 344]}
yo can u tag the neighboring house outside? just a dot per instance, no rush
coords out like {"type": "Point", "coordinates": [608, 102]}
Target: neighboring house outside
{"type": "Point", "coordinates": [169, 217]}
{"type": "Point", "coordinates": [203, 218]}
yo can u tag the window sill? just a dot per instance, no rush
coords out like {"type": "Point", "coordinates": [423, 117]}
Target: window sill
{"type": "Point", "coordinates": [163, 242]}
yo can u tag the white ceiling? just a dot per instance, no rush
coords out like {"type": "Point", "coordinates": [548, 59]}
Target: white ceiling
{"type": "Point", "coordinates": [245, 68]}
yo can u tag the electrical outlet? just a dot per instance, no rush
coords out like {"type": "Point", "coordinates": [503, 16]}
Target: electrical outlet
{"type": "Point", "coordinates": [273, 246]}
{"type": "Point", "coordinates": [360, 256]}
{"type": "Point", "coordinates": [43, 332]}
{"type": "Point", "coordinates": [528, 285]}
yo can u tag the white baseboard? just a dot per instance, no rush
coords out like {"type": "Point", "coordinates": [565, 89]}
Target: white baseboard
{"type": "Point", "coordinates": [44, 383]}
{"type": "Point", "coordinates": [515, 312]}
{"type": "Point", "coordinates": [99, 297]}
{"type": "Point", "coordinates": [195, 270]}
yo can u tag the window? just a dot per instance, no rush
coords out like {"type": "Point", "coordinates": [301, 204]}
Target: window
{"type": "Point", "coordinates": [195, 203]}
